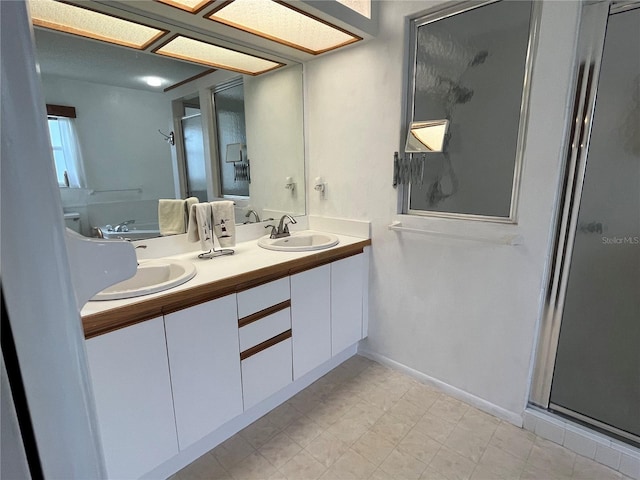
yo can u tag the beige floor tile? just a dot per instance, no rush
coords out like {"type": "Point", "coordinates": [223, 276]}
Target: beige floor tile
{"type": "Point", "coordinates": [380, 474]}
{"type": "Point", "coordinates": [326, 415]}
{"type": "Point", "coordinates": [500, 464]}
{"type": "Point", "coordinates": [327, 449]}
{"type": "Point", "coordinates": [422, 395]}
{"type": "Point", "coordinates": [303, 430]}
{"type": "Point", "coordinates": [374, 447]}
{"type": "Point", "coordinates": [357, 364]}
{"type": "Point", "coordinates": [259, 432]}
{"type": "Point", "coordinates": [435, 427]}
{"type": "Point", "coordinates": [283, 415]}
{"type": "Point", "coordinates": [397, 383]}
{"type": "Point", "coordinates": [452, 465]}
{"type": "Point", "coordinates": [431, 474]}
{"type": "Point", "coordinates": [364, 413]}
{"type": "Point", "coordinates": [409, 411]}
{"type": "Point", "coordinates": [549, 456]}
{"type": "Point", "coordinates": [280, 449]}
{"type": "Point", "coordinates": [467, 444]}
{"type": "Point", "coordinates": [531, 472]}
{"type": "Point", "coordinates": [512, 439]}
{"type": "Point", "coordinates": [205, 467]}
{"type": "Point", "coordinates": [232, 451]}
{"type": "Point", "coordinates": [304, 401]}
{"type": "Point", "coordinates": [347, 430]}
{"type": "Point", "coordinates": [448, 408]}
{"type": "Point", "coordinates": [393, 428]}
{"type": "Point", "coordinates": [586, 469]}
{"type": "Point", "coordinates": [404, 466]}
{"type": "Point", "coordinates": [351, 466]}
{"type": "Point", "coordinates": [254, 467]}
{"type": "Point", "coordinates": [382, 398]}
{"type": "Point", "coordinates": [303, 467]}
{"type": "Point", "coordinates": [479, 423]}
{"type": "Point", "coordinates": [420, 445]}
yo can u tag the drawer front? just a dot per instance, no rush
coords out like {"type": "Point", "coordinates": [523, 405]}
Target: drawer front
{"type": "Point", "coordinates": [258, 298]}
{"type": "Point", "coordinates": [266, 372]}
{"type": "Point", "coordinates": [264, 329]}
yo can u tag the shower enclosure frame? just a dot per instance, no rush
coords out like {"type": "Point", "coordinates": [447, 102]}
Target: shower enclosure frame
{"type": "Point", "coordinates": [590, 47]}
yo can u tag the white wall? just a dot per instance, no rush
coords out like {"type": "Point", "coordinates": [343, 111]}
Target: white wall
{"type": "Point", "coordinates": [460, 311]}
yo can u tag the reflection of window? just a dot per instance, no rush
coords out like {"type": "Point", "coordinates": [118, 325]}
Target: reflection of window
{"type": "Point", "coordinates": [66, 152]}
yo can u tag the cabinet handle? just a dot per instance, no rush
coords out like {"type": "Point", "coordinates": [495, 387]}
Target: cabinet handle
{"type": "Point", "coordinates": [266, 344]}
{"type": "Point", "coordinates": [263, 313]}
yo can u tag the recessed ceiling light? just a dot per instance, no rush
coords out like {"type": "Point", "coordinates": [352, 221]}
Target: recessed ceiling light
{"type": "Point", "coordinates": [284, 24]}
{"type": "Point", "coordinates": [191, 50]}
{"type": "Point", "coordinates": [88, 23]}
{"type": "Point", "coordinates": [191, 6]}
{"type": "Point", "coordinates": [153, 81]}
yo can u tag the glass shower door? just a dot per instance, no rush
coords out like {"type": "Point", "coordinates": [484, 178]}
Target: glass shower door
{"type": "Point", "coordinates": [597, 371]}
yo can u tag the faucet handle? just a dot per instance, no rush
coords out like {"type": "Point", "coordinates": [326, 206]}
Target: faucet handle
{"type": "Point", "coordinates": [274, 231]}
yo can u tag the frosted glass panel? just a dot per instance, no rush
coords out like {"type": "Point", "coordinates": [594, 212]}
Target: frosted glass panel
{"type": "Point", "coordinates": [597, 371]}
{"type": "Point", "coordinates": [470, 69]}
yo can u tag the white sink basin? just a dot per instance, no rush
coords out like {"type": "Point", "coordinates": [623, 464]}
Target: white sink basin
{"type": "Point", "coordinates": [299, 242]}
{"type": "Point", "coordinates": [152, 276]}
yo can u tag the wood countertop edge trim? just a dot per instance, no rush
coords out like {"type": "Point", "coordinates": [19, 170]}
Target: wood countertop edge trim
{"type": "Point", "coordinates": [146, 309]}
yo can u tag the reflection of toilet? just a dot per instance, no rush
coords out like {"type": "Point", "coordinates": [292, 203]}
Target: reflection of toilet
{"type": "Point", "coordinates": [72, 221]}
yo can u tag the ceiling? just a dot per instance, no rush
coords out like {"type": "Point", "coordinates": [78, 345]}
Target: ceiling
{"type": "Point", "coordinates": [94, 61]}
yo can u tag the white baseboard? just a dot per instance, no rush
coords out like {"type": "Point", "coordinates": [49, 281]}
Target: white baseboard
{"type": "Point", "coordinates": [466, 397]}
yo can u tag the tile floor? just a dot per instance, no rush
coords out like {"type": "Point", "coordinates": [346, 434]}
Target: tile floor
{"type": "Point", "coordinates": [365, 421]}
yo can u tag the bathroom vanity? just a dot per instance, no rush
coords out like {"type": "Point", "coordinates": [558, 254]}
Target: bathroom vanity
{"type": "Point", "coordinates": [177, 372]}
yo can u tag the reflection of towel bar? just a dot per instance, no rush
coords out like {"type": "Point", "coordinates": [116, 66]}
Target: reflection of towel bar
{"type": "Point", "coordinates": [498, 239]}
{"type": "Point", "coordinates": [139, 190]}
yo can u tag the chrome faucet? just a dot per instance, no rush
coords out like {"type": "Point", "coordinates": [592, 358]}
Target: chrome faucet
{"type": "Point", "coordinates": [255, 214]}
{"type": "Point", "coordinates": [123, 226]}
{"type": "Point", "coordinates": [282, 230]}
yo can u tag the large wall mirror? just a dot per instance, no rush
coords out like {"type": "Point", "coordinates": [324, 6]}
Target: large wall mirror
{"type": "Point", "coordinates": [129, 165]}
{"type": "Point", "coordinates": [470, 67]}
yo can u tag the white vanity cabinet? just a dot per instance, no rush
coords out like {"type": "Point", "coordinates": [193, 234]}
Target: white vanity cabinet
{"type": "Point", "coordinates": [311, 319]}
{"type": "Point", "coordinates": [132, 389]}
{"type": "Point", "coordinates": [347, 288]}
{"type": "Point", "coordinates": [202, 343]}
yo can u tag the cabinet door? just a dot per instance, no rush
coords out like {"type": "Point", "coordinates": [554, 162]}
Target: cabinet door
{"type": "Point", "coordinates": [204, 357]}
{"type": "Point", "coordinates": [346, 302]}
{"type": "Point", "coordinates": [266, 372]}
{"type": "Point", "coordinates": [311, 319]}
{"type": "Point", "coordinates": [131, 385]}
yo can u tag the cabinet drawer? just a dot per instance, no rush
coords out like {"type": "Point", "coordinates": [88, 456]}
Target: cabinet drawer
{"type": "Point", "coordinates": [266, 372]}
{"type": "Point", "coordinates": [264, 329]}
{"type": "Point", "coordinates": [258, 298]}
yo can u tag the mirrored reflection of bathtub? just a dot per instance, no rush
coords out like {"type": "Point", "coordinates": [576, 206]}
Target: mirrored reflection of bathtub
{"type": "Point", "coordinates": [134, 233]}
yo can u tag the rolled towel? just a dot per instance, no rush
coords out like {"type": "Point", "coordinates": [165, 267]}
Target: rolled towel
{"type": "Point", "coordinates": [200, 226]}
{"type": "Point", "coordinates": [171, 216]}
{"type": "Point", "coordinates": [224, 222]}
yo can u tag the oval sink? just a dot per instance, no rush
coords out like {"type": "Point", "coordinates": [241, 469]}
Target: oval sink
{"type": "Point", "coordinates": [299, 242]}
{"type": "Point", "coordinates": [152, 276]}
